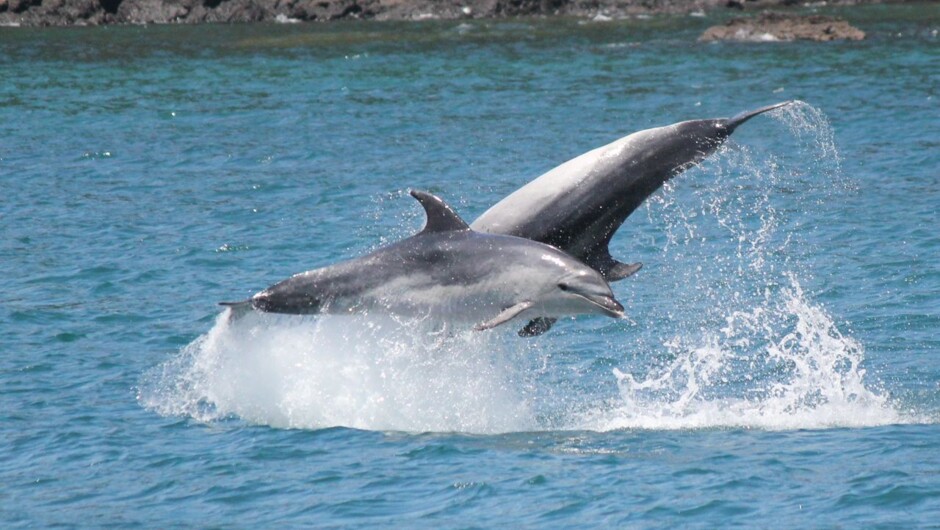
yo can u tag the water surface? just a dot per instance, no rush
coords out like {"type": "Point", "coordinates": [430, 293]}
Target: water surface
{"type": "Point", "coordinates": [779, 366]}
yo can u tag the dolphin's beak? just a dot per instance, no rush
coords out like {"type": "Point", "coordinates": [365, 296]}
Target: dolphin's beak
{"type": "Point", "coordinates": [607, 304]}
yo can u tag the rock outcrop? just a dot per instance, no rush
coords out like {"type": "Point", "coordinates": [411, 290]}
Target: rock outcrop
{"type": "Point", "coordinates": [774, 27]}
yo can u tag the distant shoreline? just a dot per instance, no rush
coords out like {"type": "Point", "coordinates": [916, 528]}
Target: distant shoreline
{"type": "Point", "coordinates": [32, 13]}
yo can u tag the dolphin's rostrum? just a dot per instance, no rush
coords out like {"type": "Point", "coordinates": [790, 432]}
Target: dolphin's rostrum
{"type": "Point", "coordinates": [449, 273]}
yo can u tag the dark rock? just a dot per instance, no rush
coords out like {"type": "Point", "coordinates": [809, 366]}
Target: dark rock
{"type": "Point", "coordinates": [110, 6]}
{"type": "Point", "coordinates": [18, 6]}
{"type": "Point", "coordinates": [771, 27]}
{"type": "Point", "coordinates": [239, 11]}
{"type": "Point", "coordinates": [152, 11]}
{"type": "Point", "coordinates": [320, 10]}
{"type": "Point", "coordinates": [53, 13]}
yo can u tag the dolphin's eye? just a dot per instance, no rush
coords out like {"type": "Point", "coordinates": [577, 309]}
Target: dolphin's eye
{"type": "Point", "coordinates": [563, 286]}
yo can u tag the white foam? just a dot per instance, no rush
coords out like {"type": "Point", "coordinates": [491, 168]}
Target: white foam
{"type": "Point", "coordinates": [780, 366]}
{"type": "Point", "coordinates": [281, 18]}
{"type": "Point", "coordinates": [361, 372]}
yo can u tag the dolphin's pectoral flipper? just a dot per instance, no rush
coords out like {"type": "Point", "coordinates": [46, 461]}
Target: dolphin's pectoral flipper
{"type": "Point", "coordinates": [505, 315]}
{"type": "Point", "coordinates": [237, 309]}
{"type": "Point", "coordinates": [537, 326]}
{"type": "Point", "coordinates": [441, 217]}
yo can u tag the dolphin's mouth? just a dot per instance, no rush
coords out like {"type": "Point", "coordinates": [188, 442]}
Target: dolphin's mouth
{"type": "Point", "coordinates": [608, 305]}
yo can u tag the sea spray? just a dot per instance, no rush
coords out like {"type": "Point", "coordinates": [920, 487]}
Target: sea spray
{"type": "Point", "coordinates": [357, 371]}
{"type": "Point", "coordinates": [782, 366]}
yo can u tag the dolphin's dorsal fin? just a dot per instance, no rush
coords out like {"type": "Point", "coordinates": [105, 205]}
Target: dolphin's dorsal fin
{"type": "Point", "coordinates": [441, 217]}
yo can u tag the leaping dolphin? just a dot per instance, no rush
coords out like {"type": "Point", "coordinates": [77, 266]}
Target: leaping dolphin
{"type": "Point", "coordinates": [579, 205]}
{"type": "Point", "coordinates": [450, 273]}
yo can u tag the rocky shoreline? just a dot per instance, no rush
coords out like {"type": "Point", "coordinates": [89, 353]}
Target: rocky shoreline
{"type": "Point", "coordinates": [96, 12]}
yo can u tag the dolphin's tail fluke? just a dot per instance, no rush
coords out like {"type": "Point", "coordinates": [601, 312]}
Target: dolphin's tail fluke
{"type": "Point", "coordinates": [237, 309]}
{"type": "Point", "coordinates": [734, 122]}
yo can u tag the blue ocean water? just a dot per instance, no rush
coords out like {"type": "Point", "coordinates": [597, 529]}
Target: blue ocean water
{"type": "Point", "coordinates": [780, 366]}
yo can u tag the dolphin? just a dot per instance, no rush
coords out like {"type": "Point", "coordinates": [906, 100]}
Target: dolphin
{"type": "Point", "coordinates": [449, 273]}
{"type": "Point", "coordinates": [579, 205]}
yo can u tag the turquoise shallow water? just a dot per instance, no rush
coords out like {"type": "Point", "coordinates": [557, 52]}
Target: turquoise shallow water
{"type": "Point", "coordinates": [779, 367]}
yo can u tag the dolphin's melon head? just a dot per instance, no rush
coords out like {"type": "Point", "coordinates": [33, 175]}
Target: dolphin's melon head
{"type": "Point", "coordinates": [576, 288]}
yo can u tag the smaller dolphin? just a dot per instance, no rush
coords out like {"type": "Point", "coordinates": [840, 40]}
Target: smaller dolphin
{"type": "Point", "coordinates": [449, 273]}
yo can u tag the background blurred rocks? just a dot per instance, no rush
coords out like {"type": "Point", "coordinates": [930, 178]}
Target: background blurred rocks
{"type": "Point", "coordinates": [91, 12]}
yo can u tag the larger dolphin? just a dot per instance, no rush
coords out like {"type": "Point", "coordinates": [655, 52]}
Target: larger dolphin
{"type": "Point", "coordinates": [449, 273]}
{"type": "Point", "coordinates": [579, 205]}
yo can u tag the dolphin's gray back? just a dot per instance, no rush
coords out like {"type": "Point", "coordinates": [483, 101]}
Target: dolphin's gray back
{"type": "Point", "coordinates": [579, 205]}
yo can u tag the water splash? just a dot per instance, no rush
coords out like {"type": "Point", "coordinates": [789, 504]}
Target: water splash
{"type": "Point", "coordinates": [780, 366]}
{"type": "Point", "coordinates": [815, 139]}
{"type": "Point", "coordinates": [360, 372]}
